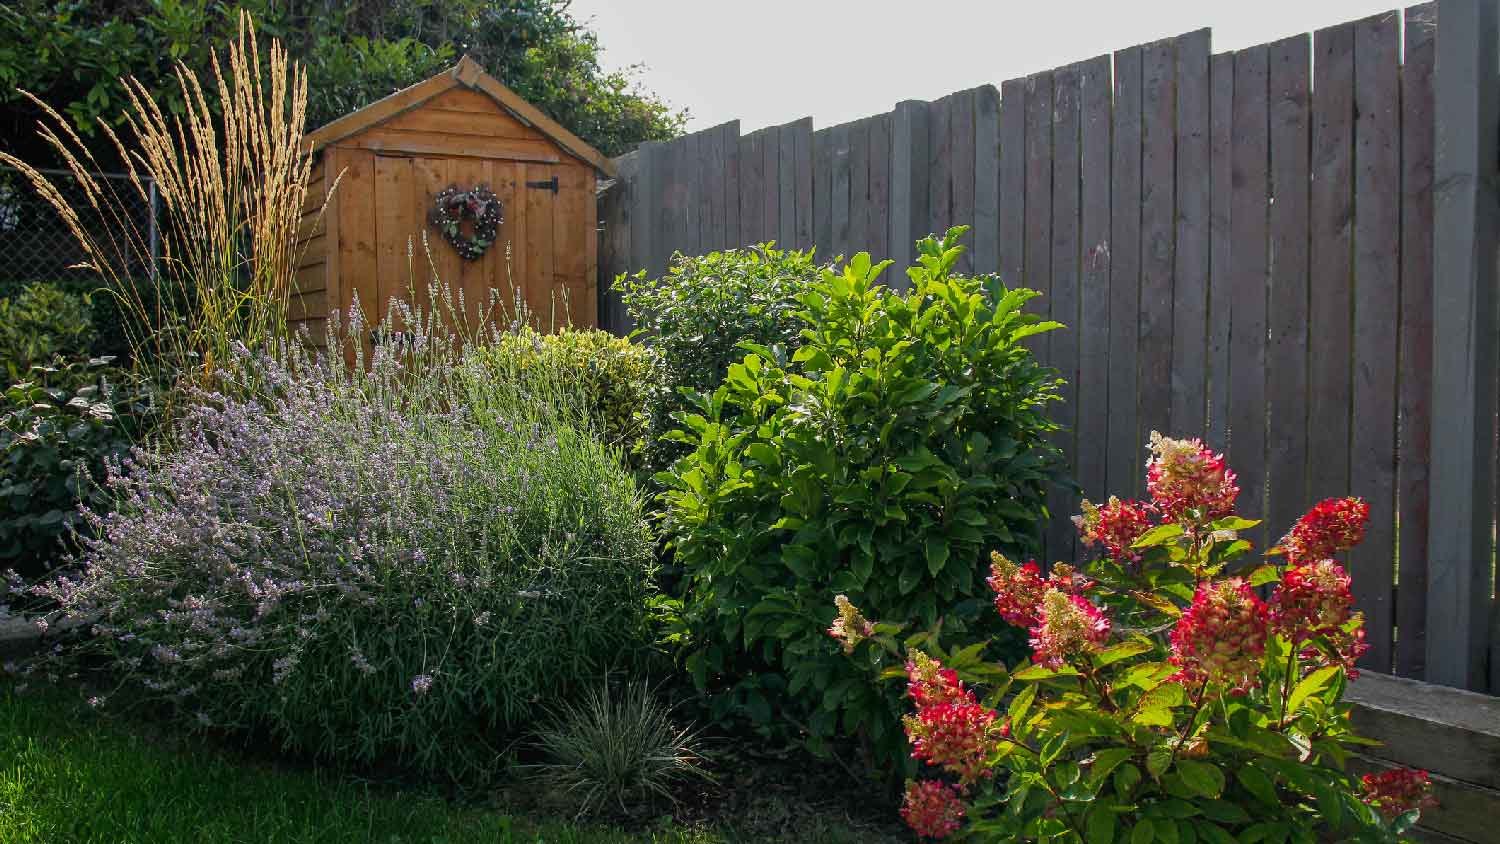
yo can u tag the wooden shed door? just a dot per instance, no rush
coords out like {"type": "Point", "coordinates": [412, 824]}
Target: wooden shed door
{"type": "Point", "coordinates": [541, 255]}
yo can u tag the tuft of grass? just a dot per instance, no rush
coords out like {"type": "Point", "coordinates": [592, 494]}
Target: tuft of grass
{"type": "Point", "coordinates": [617, 751]}
{"type": "Point", "coordinates": [72, 775]}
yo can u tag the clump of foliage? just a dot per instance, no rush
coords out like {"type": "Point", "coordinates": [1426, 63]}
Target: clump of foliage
{"type": "Point", "coordinates": [617, 752]}
{"type": "Point", "coordinates": [40, 323]}
{"type": "Point", "coordinates": [1164, 699]}
{"type": "Point", "coordinates": [403, 562]}
{"type": "Point", "coordinates": [57, 431]}
{"type": "Point", "coordinates": [109, 323]}
{"type": "Point", "coordinates": [604, 375]}
{"type": "Point", "coordinates": [695, 317]}
{"type": "Point", "coordinates": [905, 437]}
{"type": "Point", "coordinates": [75, 55]}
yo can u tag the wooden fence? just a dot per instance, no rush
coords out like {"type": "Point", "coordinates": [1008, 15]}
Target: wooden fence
{"type": "Point", "coordinates": [1287, 249]}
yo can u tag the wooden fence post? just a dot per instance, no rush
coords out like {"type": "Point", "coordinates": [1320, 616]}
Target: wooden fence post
{"type": "Point", "coordinates": [908, 185]}
{"type": "Point", "coordinates": [1464, 210]}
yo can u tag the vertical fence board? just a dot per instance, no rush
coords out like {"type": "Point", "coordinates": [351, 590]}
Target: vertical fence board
{"type": "Point", "coordinates": [1190, 256]}
{"type": "Point", "coordinates": [1013, 182]}
{"type": "Point", "coordinates": [692, 185]}
{"type": "Point", "coordinates": [670, 222]}
{"type": "Point", "coordinates": [1065, 295]}
{"type": "Point", "coordinates": [962, 172]}
{"type": "Point", "coordinates": [1377, 236]}
{"type": "Point", "coordinates": [802, 192]}
{"type": "Point", "coordinates": [859, 185]}
{"type": "Point", "coordinates": [908, 213]}
{"type": "Point", "coordinates": [1414, 431]}
{"type": "Point", "coordinates": [987, 179]}
{"type": "Point", "coordinates": [1158, 218]}
{"type": "Point", "coordinates": [1037, 244]}
{"type": "Point", "coordinates": [840, 199]}
{"type": "Point", "coordinates": [822, 191]}
{"type": "Point", "coordinates": [770, 175]}
{"type": "Point", "coordinates": [752, 193]}
{"type": "Point", "coordinates": [1096, 98]}
{"type": "Point", "coordinates": [1287, 380]}
{"type": "Point", "coordinates": [1332, 213]}
{"type": "Point", "coordinates": [711, 190]}
{"type": "Point", "coordinates": [1220, 142]}
{"type": "Point", "coordinates": [940, 165]}
{"type": "Point", "coordinates": [1125, 277]}
{"type": "Point", "coordinates": [1247, 339]}
{"type": "Point", "coordinates": [878, 199]}
{"type": "Point", "coordinates": [614, 258]}
{"type": "Point", "coordinates": [786, 186]}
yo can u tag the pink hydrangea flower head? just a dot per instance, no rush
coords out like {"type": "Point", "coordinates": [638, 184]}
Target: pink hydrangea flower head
{"type": "Point", "coordinates": [1068, 626]}
{"type": "Point", "coordinates": [1018, 589]}
{"type": "Point", "coordinates": [953, 736]}
{"type": "Point", "coordinates": [1220, 638]}
{"type": "Point", "coordinates": [1116, 525]}
{"type": "Point", "coordinates": [1313, 598]}
{"type": "Point", "coordinates": [932, 809]}
{"type": "Point", "coordinates": [1185, 475]}
{"type": "Point", "coordinates": [1334, 525]}
{"type": "Point", "coordinates": [1069, 579]}
{"type": "Point", "coordinates": [928, 683]}
{"type": "Point", "coordinates": [1397, 791]}
{"type": "Point", "coordinates": [850, 627]}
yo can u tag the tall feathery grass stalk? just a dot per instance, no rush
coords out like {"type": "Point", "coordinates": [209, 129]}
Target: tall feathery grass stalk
{"type": "Point", "coordinates": [232, 177]}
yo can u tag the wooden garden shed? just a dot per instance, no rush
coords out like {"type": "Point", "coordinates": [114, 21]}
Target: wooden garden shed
{"type": "Point", "coordinates": [461, 132]}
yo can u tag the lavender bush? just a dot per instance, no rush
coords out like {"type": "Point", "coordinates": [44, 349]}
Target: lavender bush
{"type": "Point", "coordinates": [403, 563]}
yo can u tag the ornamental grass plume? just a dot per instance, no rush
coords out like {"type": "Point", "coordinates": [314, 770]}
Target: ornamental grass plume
{"type": "Point", "coordinates": [932, 809]}
{"type": "Point", "coordinates": [1185, 475]}
{"type": "Point", "coordinates": [1221, 637]}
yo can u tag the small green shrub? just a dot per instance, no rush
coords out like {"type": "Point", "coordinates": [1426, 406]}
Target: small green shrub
{"type": "Point", "coordinates": [42, 322]}
{"type": "Point", "coordinates": [56, 433]}
{"type": "Point", "coordinates": [617, 751]}
{"type": "Point", "coordinates": [403, 562]}
{"type": "Point", "coordinates": [113, 323]}
{"type": "Point", "coordinates": [904, 439]}
{"type": "Point", "coordinates": [694, 318]}
{"type": "Point", "coordinates": [604, 374]}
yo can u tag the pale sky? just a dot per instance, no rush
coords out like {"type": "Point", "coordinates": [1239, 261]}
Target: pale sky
{"type": "Point", "coordinates": [774, 61]}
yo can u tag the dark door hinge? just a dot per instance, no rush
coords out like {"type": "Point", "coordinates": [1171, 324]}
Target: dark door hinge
{"type": "Point", "coordinates": [550, 184]}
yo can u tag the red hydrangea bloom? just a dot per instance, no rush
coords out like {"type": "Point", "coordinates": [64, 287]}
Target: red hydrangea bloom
{"type": "Point", "coordinates": [1313, 598]}
{"type": "Point", "coordinates": [1067, 626]}
{"type": "Point", "coordinates": [928, 683]}
{"type": "Point", "coordinates": [1116, 525]}
{"type": "Point", "coordinates": [1397, 791]}
{"type": "Point", "coordinates": [1221, 637]}
{"type": "Point", "coordinates": [1346, 646]}
{"type": "Point", "coordinates": [1186, 475]}
{"type": "Point", "coordinates": [851, 627]}
{"type": "Point", "coordinates": [1068, 579]}
{"type": "Point", "coordinates": [932, 809]}
{"type": "Point", "coordinates": [1018, 589]}
{"type": "Point", "coordinates": [952, 736]}
{"type": "Point", "coordinates": [1334, 525]}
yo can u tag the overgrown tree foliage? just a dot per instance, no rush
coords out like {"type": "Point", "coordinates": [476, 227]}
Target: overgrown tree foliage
{"type": "Point", "coordinates": [72, 54]}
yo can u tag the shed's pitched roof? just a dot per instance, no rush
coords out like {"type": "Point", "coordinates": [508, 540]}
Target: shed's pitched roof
{"type": "Point", "coordinates": [466, 74]}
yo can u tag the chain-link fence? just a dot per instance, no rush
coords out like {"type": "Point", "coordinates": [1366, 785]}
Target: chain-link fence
{"type": "Point", "coordinates": [36, 245]}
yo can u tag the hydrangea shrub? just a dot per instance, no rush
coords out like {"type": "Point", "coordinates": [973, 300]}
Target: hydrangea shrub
{"type": "Point", "coordinates": [1166, 700]}
{"type": "Point", "coordinates": [404, 564]}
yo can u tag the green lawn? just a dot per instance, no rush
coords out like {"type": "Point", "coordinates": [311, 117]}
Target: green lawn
{"type": "Point", "coordinates": [71, 775]}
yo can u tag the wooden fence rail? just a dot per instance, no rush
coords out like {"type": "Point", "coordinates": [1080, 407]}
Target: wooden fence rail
{"type": "Point", "coordinates": [1288, 249]}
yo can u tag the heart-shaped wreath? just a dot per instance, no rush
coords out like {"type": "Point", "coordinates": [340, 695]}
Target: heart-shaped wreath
{"type": "Point", "coordinates": [451, 206]}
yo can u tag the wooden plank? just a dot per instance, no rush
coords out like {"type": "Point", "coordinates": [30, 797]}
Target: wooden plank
{"type": "Point", "coordinates": [786, 185]}
{"type": "Point", "coordinates": [614, 255]}
{"type": "Point", "coordinates": [707, 176]}
{"type": "Point", "coordinates": [1220, 143]}
{"type": "Point", "coordinates": [398, 142]}
{"type": "Point", "coordinates": [1158, 230]}
{"type": "Point", "coordinates": [642, 213]}
{"type": "Point", "coordinates": [878, 200]}
{"type": "Point", "coordinates": [1191, 256]}
{"type": "Point", "coordinates": [909, 139]}
{"type": "Point", "coordinates": [396, 227]}
{"type": "Point", "coordinates": [752, 189]}
{"type": "Point", "coordinates": [733, 143]}
{"type": "Point", "coordinates": [1290, 71]}
{"type": "Point", "coordinates": [475, 278]}
{"type": "Point", "coordinates": [1463, 326]}
{"type": "Point", "coordinates": [1038, 243]}
{"type": "Point", "coordinates": [310, 279]}
{"type": "Point", "coordinates": [1331, 209]}
{"type": "Point", "coordinates": [311, 250]}
{"type": "Point", "coordinates": [358, 258]}
{"type": "Point", "coordinates": [333, 163]}
{"type": "Point", "coordinates": [770, 176]}
{"type": "Point", "coordinates": [1092, 396]}
{"type": "Point", "coordinates": [986, 238]}
{"type": "Point", "coordinates": [962, 170]}
{"type": "Point", "coordinates": [488, 122]}
{"type": "Point", "coordinates": [383, 109]}
{"type": "Point", "coordinates": [859, 186]}
{"type": "Point", "coordinates": [1451, 731]}
{"type": "Point", "coordinates": [1125, 452]}
{"type": "Point", "coordinates": [302, 307]}
{"type": "Point", "coordinates": [940, 165]}
{"type": "Point", "coordinates": [1249, 181]}
{"type": "Point", "coordinates": [802, 192]}
{"type": "Point", "coordinates": [670, 214]}
{"type": "Point", "coordinates": [840, 217]}
{"type": "Point", "coordinates": [1377, 239]}
{"type": "Point", "coordinates": [468, 71]}
{"type": "Point", "coordinates": [822, 191]}
{"type": "Point", "coordinates": [1012, 245]}
{"type": "Point", "coordinates": [540, 250]}
{"type": "Point", "coordinates": [1066, 205]}
{"type": "Point", "coordinates": [572, 230]}
{"type": "Point", "coordinates": [691, 186]}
